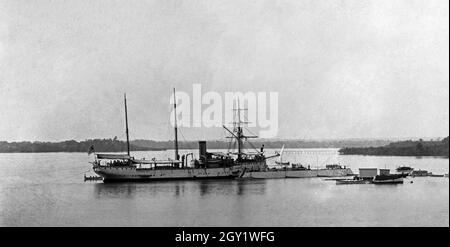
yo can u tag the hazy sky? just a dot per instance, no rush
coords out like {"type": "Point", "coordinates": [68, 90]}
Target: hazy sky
{"type": "Point", "coordinates": [343, 68]}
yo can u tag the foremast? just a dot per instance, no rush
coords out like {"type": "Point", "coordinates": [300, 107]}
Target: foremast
{"type": "Point", "coordinates": [126, 124]}
{"type": "Point", "coordinates": [177, 157]}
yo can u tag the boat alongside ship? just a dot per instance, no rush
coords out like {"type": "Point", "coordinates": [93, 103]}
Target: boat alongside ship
{"type": "Point", "coordinates": [353, 181]}
{"type": "Point", "coordinates": [296, 171]}
{"type": "Point", "coordinates": [285, 169]}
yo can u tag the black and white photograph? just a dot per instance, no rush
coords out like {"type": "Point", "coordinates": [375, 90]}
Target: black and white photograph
{"type": "Point", "coordinates": [224, 113]}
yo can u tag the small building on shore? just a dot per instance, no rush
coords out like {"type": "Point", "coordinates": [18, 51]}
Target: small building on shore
{"type": "Point", "coordinates": [368, 172]}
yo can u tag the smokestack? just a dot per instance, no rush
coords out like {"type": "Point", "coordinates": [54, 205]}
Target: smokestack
{"type": "Point", "coordinates": [202, 150]}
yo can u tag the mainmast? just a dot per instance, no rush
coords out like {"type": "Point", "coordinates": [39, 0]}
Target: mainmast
{"type": "Point", "coordinates": [175, 119]}
{"type": "Point", "coordinates": [238, 133]}
{"type": "Point", "coordinates": [126, 125]}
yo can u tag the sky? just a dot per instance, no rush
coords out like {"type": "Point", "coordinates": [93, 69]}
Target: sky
{"type": "Point", "coordinates": [342, 68]}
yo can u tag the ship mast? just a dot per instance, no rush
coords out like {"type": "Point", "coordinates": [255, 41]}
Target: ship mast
{"type": "Point", "coordinates": [175, 119]}
{"type": "Point", "coordinates": [238, 133]}
{"type": "Point", "coordinates": [126, 124]}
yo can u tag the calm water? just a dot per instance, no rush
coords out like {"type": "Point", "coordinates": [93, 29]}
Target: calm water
{"type": "Point", "coordinates": [48, 190]}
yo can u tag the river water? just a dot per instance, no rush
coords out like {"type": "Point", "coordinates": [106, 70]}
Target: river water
{"type": "Point", "coordinates": [47, 189]}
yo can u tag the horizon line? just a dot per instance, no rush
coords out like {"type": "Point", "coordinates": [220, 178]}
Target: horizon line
{"type": "Point", "coordinates": [265, 139]}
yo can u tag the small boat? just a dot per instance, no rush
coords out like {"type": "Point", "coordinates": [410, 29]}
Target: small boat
{"type": "Point", "coordinates": [92, 178]}
{"type": "Point", "coordinates": [436, 175]}
{"type": "Point", "coordinates": [280, 159]}
{"type": "Point", "coordinates": [353, 181]}
{"type": "Point", "coordinates": [388, 179]}
{"type": "Point", "coordinates": [334, 179]}
{"type": "Point", "coordinates": [282, 163]}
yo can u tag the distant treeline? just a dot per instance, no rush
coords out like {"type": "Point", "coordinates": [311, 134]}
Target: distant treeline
{"type": "Point", "coordinates": [100, 145]}
{"type": "Point", "coordinates": [115, 145]}
{"type": "Point", "coordinates": [257, 143]}
{"type": "Point", "coordinates": [404, 148]}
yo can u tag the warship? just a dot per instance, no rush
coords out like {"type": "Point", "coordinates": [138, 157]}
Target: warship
{"type": "Point", "coordinates": [209, 165]}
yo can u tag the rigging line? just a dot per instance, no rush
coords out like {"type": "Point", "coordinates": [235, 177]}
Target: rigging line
{"type": "Point", "coordinates": [251, 132]}
{"type": "Point", "coordinates": [256, 149]}
{"type": "Point", "coordinates": [230, 143]}
{"type": "Point", "coordinates": [179, 131]}
{"type": "Point", "coordinates": [246, 120]}
{"type": "Point", "coordinates": [247, 141]}
{"type": "Point", "coordinates": [253, 146]}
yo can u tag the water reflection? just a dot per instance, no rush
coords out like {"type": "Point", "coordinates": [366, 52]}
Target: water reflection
{"type": "Point", "coordinates": [130, 189]}
{"type": "Point", "coordinates": [231, 187]}
{"type": "Point", "coordinates": [124, 190]}
{"type": "Point", "coordinates": [257, 187]}
{"type": "Point", "coordinates": [204, 188]}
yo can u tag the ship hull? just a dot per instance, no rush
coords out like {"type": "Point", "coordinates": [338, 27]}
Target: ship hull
{"type": "Point", "coordinates": [352, 181]}
{"type": "Point", "coordinates": [280, 174]}
{"type": "Point", "coordinates": [298, 173]}
{"type": "Point", "coordinates": [390, 181]}
{"type": "Point", "coordinates": [126, 174]}
{"type": "Point", "coordinates": [334, 172]}
{"type": "Point", "coordinates": [121, 179]}
{"type": "Point", "coordinates": [133, 173]}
